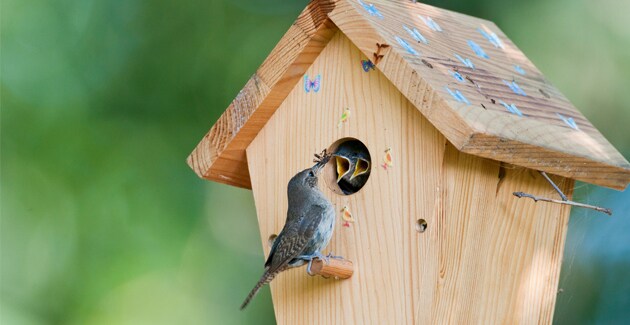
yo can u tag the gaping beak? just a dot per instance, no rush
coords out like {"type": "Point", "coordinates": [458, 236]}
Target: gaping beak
{"type": "Point", "coordinates": [362, 167]}
{"type": "Point", "coordinates": [343, 167]}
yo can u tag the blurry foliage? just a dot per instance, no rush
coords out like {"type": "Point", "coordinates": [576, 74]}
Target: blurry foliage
{"type": "Point", "coordinates": [102, 222]}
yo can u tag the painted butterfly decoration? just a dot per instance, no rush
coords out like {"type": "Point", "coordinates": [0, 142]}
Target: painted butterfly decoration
{"type": "Point", "coordinates": [515, 87]}
{"type": "Point", "coordinates": [478, 50]}
{"type": "Point", "coordinates": [511, 108]}
{"type": "Point", "coordinates": [371, 9]}
{"type": "Point", "coordinates": [458, 96]}
{"type": "Point", "coordinates": [312, 84]}
{"type": "Point", "coordinates": [406, 46]}
{"type": "Point", "coordinates": [467, 62]}
{"type": "Point", "coordinates": [367, 65]}
{"type": "Point", "coordinates": [492, 38]}
{"type": "Point", "coordinates": [520, 70]}
{"type": "Point", "coordinates": [568, 121]}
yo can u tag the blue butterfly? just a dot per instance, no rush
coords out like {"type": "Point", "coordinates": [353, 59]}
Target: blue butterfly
{"type": "Point", "coordinates": [367, 65]}
{"type": "Point", "coordinates": [431, 23]}
{"type": "Point", "coordinates": [511, 108]}
{"type": "Point", "coordinates": [520, 70]}
{"type": "Point", "coordinates": [457, 75]}
{"type": "Point", "coordinates": [466, 62]}
{"type": "Point", "coordinates": [406, 46]}
{"type": "Point", "coordinates": [371, 9]}
{"type": "Point", "coordinates": [478, 50]}
{"type": "Point", "coordinates": [515, 88]}
{"type": "Point", "coordinates": [416, 35]}
{"type": "Point", "coordinates": [569, 121]}
{"type": "Point", "coordinates": [492, 38]}
{"type": "Point", "coordinates": [314, 84]}
{"type": "Point", "coordinates": [458, 96]}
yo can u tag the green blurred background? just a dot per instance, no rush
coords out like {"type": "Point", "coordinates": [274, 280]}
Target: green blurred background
{"type": "Point", "coordinates": [102, 222]}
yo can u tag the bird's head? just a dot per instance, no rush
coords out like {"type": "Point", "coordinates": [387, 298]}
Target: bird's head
{"type": "Point", "coordinates": [309, 176]}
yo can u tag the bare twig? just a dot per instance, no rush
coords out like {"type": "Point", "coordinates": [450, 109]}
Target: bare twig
{"type": "Point", "coordinates": [564, 200]}
{"type": "Point", "coordinates": [555, 187]}
{"type": "Point", "coordinates": [567, 202]}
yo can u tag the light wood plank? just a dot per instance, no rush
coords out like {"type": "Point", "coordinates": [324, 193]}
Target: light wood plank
{"type": "Point", "coordinates": [486, 256]}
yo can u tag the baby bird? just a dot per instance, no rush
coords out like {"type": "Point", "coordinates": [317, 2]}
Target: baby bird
{"type": "Point", "coordinates": [307, 230]}
{"type": "Point", "coordinates": [353, 166]}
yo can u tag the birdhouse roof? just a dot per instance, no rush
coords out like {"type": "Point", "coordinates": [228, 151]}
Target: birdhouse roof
{"type": "Point", "coordinates": [491, 100]}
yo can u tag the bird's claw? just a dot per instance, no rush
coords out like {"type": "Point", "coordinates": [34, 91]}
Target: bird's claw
{"type": "Point", "coordinates": [310, 259]}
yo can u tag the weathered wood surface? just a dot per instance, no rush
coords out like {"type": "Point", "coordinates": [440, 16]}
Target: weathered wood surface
{"type": "Point", "coordinates": [486, 257]}
{"type": "Point", "coordinates": [543, 138]}
{"type": "Point", "coordinates": [551, 135]}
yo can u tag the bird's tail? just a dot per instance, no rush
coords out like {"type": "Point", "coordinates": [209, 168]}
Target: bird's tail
{"type": "Point", "coordinates": [264, 279]}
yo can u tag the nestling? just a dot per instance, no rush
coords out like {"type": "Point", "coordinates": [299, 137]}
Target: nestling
{"type": "Point", "coordinates": [352, 161]}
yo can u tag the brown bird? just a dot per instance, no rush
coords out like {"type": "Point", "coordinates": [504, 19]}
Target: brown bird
{"type": "Point", "coordinates": [307, 230]}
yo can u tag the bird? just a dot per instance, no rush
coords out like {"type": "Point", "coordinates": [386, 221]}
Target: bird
{"type": "Point", "coordinates": [308, 228]}
{"type": "Point", "coordinates": [347, 216]}
{"type": "Point", "coordinates": [352, 165]}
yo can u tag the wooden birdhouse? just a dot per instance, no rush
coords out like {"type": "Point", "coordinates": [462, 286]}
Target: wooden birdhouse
{"type": "Point", "coordinates": [455, 119]}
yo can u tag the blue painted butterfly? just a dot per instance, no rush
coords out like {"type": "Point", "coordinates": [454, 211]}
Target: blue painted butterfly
{"type": "Point", "coordinates": [569, 121]}
{"type": "Point", "coordinates": [511, 108]}
{"type": "Point", "coordinates": [371, 9]}
{"type": "Point", "coordinates": [520, 70]}
{"type": "Point", "coordinates": [515, 88]}
{"type": "Point", "coordinates": [431, 23]}
{"type": "Point", "coordinates": [367, 65]}
{"type": "Point", "coordinates": [416, 35]}
{"type": "Point", "coordinates": [457, 76]}
{"type": "Point", "coordinates": [478, 50]}
{"type": "Point", "coordinates": [467, 62]}
{"type": "Point", "coordinates": [458, 96]}
{"type": "Point", "coordinates": [314, 84]}
{"type": "Point", "coordinates": [406, 46]}
{"type": "Point", "coordinates": [492, 38]}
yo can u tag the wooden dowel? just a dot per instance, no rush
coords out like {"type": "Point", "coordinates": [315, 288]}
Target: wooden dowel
{"type": "Point", "coordinates": [336, 268]}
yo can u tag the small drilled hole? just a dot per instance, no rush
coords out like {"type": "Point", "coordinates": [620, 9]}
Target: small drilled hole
{"type": "Point", "coordinates": [421, 225]}
{"type": "Point", "coordinates": [272, 239]}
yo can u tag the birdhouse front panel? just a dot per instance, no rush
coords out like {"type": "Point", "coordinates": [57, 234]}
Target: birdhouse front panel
{"type": "Point", "coordinates": [435, 234]}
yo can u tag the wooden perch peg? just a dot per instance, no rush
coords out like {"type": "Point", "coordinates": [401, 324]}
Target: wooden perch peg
{"type": "Point", "coordinates": [336, 268]}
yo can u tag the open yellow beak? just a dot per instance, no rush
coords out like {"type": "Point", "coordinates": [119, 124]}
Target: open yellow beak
{"type": "Point", "coordinates": [362, 167]}
{"type": "Point", "coordinates": [343, 167]}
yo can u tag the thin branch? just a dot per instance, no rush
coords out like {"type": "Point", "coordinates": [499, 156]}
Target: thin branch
{"type": "Point", "coordinates": [555, 187]}
{"type": "Point", "coordinates": [565, 202]}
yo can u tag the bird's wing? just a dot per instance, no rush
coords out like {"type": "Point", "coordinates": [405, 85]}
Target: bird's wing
{"type": "Point", "coordinates": [294, 237]}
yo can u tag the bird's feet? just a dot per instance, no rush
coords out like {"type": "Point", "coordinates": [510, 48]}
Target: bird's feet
{"type": "Point", "coordinates": [310, 259]}
{"type": "Point", "coordinates": [330, 255]}
{"type": "Point", "coordinates": [319, 255]}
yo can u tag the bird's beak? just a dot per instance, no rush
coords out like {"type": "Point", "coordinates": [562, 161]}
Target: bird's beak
{"type": "Point", "coordinates": [320, 165]}
{"type": "Point", "coordinates": [343, 166]}
{"type": "Point", "coordinates": [362, 167]}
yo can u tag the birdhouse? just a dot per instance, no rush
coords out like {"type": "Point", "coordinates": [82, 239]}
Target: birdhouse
{"type": "Point", "coordinates": [451, 119]}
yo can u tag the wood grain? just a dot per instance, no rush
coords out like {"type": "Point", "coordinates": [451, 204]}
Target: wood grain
{"type": "Point", "coordinates": [485, 256]}
{"type": "Point", "coordinates": [335, 268]}
{"type": "Point", "coordinates": [540, 139]}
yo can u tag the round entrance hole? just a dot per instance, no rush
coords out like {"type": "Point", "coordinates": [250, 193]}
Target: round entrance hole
{"type": "Point", "coordinates": [349, 168]}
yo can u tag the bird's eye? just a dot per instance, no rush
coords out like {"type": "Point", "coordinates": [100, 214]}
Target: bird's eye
{"type": "Point", "coordinates": [311, 174]}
